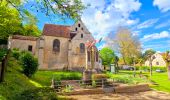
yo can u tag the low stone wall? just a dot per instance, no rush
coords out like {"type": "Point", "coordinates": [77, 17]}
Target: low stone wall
{"type": "Point", "coordinates": [86, 92]}
{"type": "Point", "coordinates": [121, 89]}
{"type": "Point", "coordinates": [132, 89]}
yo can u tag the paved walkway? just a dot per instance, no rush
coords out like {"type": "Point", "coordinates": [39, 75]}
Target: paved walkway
{"type": "Point", "coordinates": [149, 95]}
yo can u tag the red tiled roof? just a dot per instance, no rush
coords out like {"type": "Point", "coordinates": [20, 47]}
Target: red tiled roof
{"type": "Point", "coordinates": [56, 30]}
{"type": "Point", "coordinates": [21, 37]}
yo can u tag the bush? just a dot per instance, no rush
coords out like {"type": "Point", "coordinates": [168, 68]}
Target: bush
{"type": "Point", "coordinates": [97, 79]}
{"type": "Point", "coordinates": [68, 76]}
{"type": "Point", "coordinates": [99, 76]}
{"type": "Point", "coordinates": [2, 53]}
{"type": "Point", "coordinates": [16, 53]}
{"type": "Point", "coordinates": [29, 63]}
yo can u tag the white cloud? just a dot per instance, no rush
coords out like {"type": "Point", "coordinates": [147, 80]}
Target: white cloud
{"type": "Point", "coordinates": [163, 5]}
{"type": "Point", "coordinates": [101, 18]}
{"type": "Point", "coordinates": [162, 25]}
{"type": "Point", "coordinates": [147, 23]}
{"type": "Point", "coordinates": [163, 34]}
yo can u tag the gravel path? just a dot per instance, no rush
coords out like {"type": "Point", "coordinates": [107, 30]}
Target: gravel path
{"type": "Point", "coordinates": [149, 95]}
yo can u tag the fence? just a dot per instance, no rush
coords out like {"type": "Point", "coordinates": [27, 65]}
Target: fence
{"type": "Point", "coordinates": [3, 66]}
{"type": "Point", "coordinates": [69, 85]}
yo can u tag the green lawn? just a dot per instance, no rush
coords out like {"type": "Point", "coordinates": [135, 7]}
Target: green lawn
{"type": "Point", "coordinates": [45, 77]}
{"type": "Point", "coordinates": [160, 79]}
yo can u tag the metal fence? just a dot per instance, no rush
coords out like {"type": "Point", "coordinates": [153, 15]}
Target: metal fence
{"type": "Point", "coordinates": [69, 85]}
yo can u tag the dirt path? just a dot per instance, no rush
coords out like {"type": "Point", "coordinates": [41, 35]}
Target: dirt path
{"type": "Point", "coordinates": [149, 95]}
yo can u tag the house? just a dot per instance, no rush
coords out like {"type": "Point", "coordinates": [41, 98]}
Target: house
{"type": "Point", "coordinates": [59, 47]}
{"type": "Point", "coordinates": [158, 61]}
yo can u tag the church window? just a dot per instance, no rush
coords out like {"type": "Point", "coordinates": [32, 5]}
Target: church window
{"type": "Point", "coordinates": [76, 29]}
{"type": "Point", "coordinates": [157, 63]}
{"type": "Point", "coordinates": [78, 25]}
{"type": "Point", "coordinates": [82, 28]}
{"type": "Point", "coordinates": [82, 48]}
{"type": "Point", "coordinates": [81, 35]}
{"type": "Point", "coordinates": [56, 45]}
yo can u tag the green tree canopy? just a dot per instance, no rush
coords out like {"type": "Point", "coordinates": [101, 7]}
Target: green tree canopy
{"type": "Point", "coordinates": [10, 22]}
{"type": "Point", "coordinates": [148, 53]}
{"type": "Point", "coordinates": [70, 8]}
{"type": "Point", "coordinates": [107, 55]}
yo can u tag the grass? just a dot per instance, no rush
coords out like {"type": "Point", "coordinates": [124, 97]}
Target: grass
{"type": "Point", "coordinates": [160, 79]}
{"type": "Point", "coordinates": [19, 87]}
{"type": "Point", "coordinates": [45, 77]}
{"type": "Point", "coordinates": [15, 82]}
{"type": "Point", "coordinates": [127, 77]}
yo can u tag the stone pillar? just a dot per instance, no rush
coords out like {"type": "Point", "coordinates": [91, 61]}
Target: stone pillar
{"type": "Point", "coordinates": [86, 52]}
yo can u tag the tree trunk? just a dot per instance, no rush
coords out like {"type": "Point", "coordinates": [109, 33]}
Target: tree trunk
{"type": "Point", "coordinates": [124, 60]}
{"type": "Point", "coordinates": [150, 64]}
{"type": "Point", "coordinates": [168, 71]}
{"type": "Point", "coordinates": [104, 67]}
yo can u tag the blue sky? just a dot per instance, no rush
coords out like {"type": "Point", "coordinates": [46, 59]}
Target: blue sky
{"type": "Point", "coordinates": [147, 19]}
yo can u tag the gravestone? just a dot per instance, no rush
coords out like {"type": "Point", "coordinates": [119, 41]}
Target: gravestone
{"type": "Point", "coordinates": [112, 68]}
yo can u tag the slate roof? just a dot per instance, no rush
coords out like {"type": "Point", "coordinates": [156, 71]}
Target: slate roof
{"type": "Point", "coordinates": [56, 30]}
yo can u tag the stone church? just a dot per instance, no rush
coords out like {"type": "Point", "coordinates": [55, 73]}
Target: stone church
{"type": "Point", "coordinates": [59, 47]}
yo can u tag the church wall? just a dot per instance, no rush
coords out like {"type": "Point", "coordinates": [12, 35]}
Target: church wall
{"type": "Point", "coordinates": [77, 60]}
{"type": "Point", "coordinates": [23, 44]}
{"type": "Point", "coordinates": [55, 60]}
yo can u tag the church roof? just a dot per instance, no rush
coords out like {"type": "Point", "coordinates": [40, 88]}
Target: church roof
{"type": "Point", "coordinates": [21, 37]}
{"type": "Point", "coordinates": [56, 30]}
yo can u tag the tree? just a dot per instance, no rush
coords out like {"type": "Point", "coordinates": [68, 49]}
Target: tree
{"type": "Point", "coordinates": [10, 22]}
{"type": "Point", "coordinates": [148, 55]}
{"type": "Point", "coordinates": [107, 55]}
{"type": "Point", "coordinates": [167, 60]}
{"type": "Point", "coordinates": [127, 44]}
{"type": "Point", "coordinates": [70, 8]}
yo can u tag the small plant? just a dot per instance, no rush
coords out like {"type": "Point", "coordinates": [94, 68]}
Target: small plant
{"type": "Point", "coordinates": [29, 63]}
{"type": "Point", "coordinates": [68, 88]}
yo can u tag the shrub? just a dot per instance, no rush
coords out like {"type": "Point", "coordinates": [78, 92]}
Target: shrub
{"type": "Point", "coordinates": [16, 53]}
{"type": "Point", "coordinates": [2, 53]}
{"type": "Point", "coordinates": [29, 63]}
{"type": "Point", "coordinates": [99, 76]}
{"type": "Point", "coordinates": [97, 79]}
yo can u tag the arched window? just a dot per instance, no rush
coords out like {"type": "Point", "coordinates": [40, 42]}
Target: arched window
{"type": "Point", "coordinates": [81, 35]}
{"type": "Point", "coordinates": [56, 45]}
{"type": "Point", "coordinates": [82, 48]}
{"type": "Point", "coordinates": [79, 25]}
